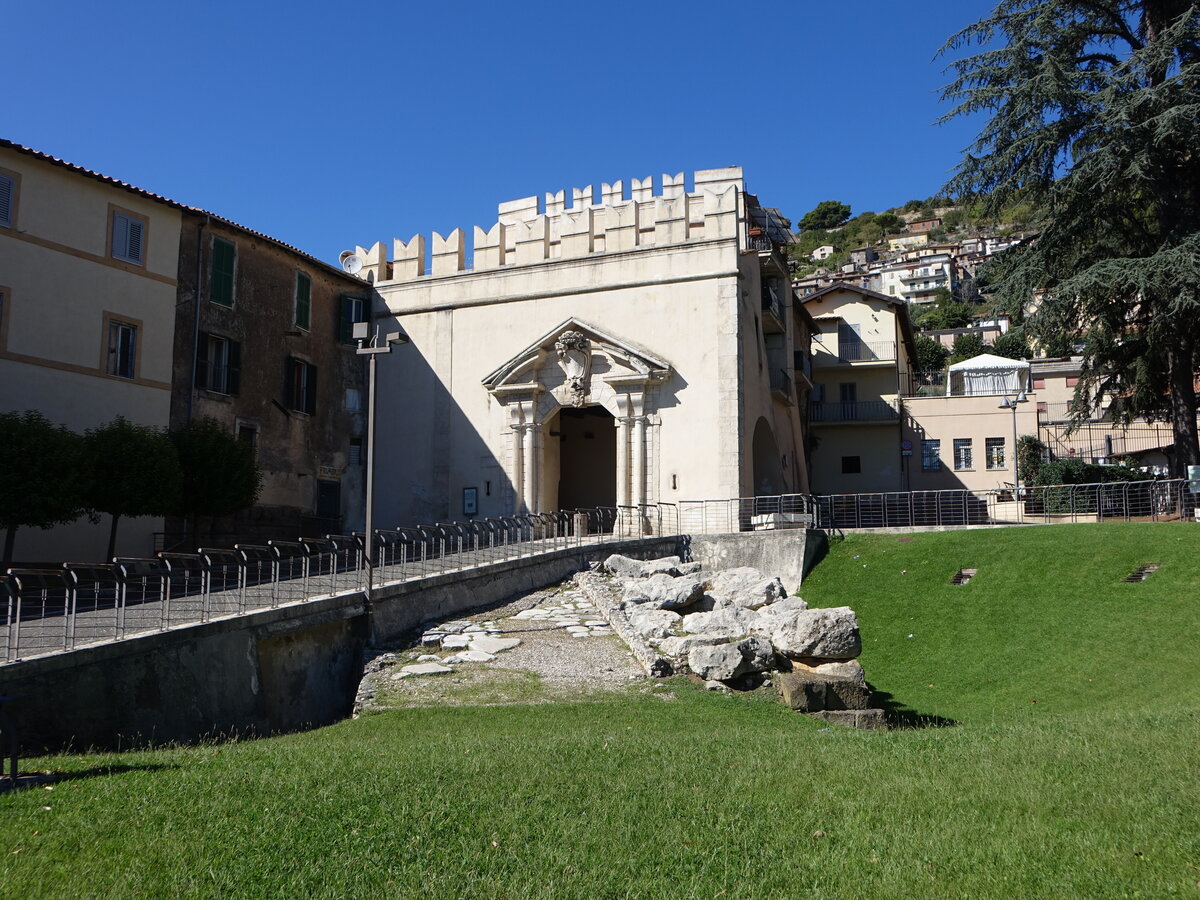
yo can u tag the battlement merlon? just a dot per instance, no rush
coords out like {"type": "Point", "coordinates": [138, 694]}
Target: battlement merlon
{"type": "Point", "coordinates": [530, 232]}
{"type": "Point", "coordinates": [641, 189]}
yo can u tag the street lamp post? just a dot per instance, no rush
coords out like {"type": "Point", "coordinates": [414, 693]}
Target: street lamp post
{"type": "Point", "coordinates": [1012, 404]}
{"type": "Point", "coordinates": [372, 349]}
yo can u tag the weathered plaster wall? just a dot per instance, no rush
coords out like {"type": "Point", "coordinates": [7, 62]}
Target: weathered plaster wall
{"type": "Point", "coordinates": [296, 450]}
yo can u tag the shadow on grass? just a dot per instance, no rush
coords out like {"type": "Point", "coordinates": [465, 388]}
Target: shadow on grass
{"type": "Point", "coordinates": [38, 779]}
{"type": "Point", "coordinates": [899, 716]}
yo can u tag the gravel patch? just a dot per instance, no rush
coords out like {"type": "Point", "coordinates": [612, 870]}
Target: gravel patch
{"type": "Point", "coordinates": [566, 652]}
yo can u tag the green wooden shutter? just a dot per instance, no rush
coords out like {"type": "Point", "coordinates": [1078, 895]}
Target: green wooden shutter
{"type": "Point", "coordinates": [310, 386]}
{"type": "Point", "coordinates": [303, 301]}
{"type": "Point", "coordinates": [221, 274]}
{"type": "Point", "coordinates": [234, 382]}
{"type": "Point", "coordinates": [6, 192]}
{"type": "Point", "coordinates": [345, 331]}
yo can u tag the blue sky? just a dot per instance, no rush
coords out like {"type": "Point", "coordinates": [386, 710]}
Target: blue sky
{"type": "Point", "coordinates": [327, 125]}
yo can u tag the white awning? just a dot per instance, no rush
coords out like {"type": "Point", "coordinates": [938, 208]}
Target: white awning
{"type": "Point", "coordinates": [987, 374]}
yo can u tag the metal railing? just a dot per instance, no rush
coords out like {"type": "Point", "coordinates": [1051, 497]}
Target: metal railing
{"type": "Point", "coordinates": [865, 351]}
{"type": "Point", "coordinates": [59, 609]}
{"type": "Point", "coordinates": [1156, 501]}
{"type": "Point", "coordinates": [783, 385]}
{"type": "Point", "coordinates": [863, 411]}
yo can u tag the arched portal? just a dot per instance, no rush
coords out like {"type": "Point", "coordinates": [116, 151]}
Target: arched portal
{"type": "Point", "coordinates": [586, 443]}
{"type": "Point", "coordinates": [573, 381]}
{"type": "Point", "coordinates": [768, 470]}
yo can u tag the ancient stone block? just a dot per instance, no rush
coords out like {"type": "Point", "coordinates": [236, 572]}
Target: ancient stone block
{"type": "Point", "coordinates": [862, 719]}
{"type": "Point", "coordinates": [810, 692]}
{"type": "Point", "coordinates": [819, 634]}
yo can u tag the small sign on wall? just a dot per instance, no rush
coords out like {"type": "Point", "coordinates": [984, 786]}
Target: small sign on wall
{"type": "Point", "coordinates": [470, 501]}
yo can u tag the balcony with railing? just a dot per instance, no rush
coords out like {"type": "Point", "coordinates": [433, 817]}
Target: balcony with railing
{"type": "Point", "coordinates": [842, 351]}
{"type": "Point", "coordinates": [925, 273]}
{"type": "Point", "coordinates": [861, 411]}
{"type": "Point", "coordinates": [774, 321]}
{"type": "Point", "coordinates": [783, 388]}
{"type": "Point", "coordinates": [924, 384]}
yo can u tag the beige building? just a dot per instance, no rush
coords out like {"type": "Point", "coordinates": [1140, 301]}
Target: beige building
{"type": "Point", "coordinates": [611, 351]}
{"type": "Point", "coordinates": [957, 432]}
{"type": "Point", "coordinates": [88, 270]}
{"type": "Point", "coordinates": [862, 354]}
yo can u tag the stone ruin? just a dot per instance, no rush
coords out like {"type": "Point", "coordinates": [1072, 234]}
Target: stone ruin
{"type": "Point", "coordinates": [736, 628]}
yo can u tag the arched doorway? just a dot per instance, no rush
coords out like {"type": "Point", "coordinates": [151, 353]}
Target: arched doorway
{"type": "Point", "coordinates": [586, 441]}
{"type": "Point", "coordinates": [768, 470]}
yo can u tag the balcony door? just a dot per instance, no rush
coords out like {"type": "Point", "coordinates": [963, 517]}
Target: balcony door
{"type": "Point", "coordinates": [848, 397]}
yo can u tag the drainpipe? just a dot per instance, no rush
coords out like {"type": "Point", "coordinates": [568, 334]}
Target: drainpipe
{"type": "Point", "coordinates": [196, 315]}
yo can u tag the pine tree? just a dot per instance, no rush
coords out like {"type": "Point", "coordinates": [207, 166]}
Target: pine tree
{"type": "Point", "coordinates": [1093, 113]}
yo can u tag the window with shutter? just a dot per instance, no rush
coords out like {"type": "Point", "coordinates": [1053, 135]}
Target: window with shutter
{"type": "Point", "coordinates": [300, 385]}
{"type": "Point", "coordinates": [303, 301]}
{"type": "Point", "coordinates": [6, 200]}
{"type": "Point", "coordinates": [218, 364]}
{"type": "Point", "coordinates": [128, 237]}
{"type": "Point", "coordinates": [351, 310]}
{"type": "Point", "coordinates": [122, 349]}
{"type": "Point", "coordinates": [221, 272]}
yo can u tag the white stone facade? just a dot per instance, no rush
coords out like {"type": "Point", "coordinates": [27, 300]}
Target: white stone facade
{"type": "Point", "coordinates": [618, 351]}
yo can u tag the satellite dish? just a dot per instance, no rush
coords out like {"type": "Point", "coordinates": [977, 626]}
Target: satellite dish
{"type": "Point", "coordinates": [352, 263]}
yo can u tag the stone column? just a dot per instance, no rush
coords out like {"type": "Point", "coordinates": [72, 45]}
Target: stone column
{"type": "Point", "coordinates": [532, 432]}
{"type": "Point", "coordinates": [622, 424]}
{"type": "Point", "coordinates": [518, 466]}
{"type": "Point", "coordinates": [639, 460]}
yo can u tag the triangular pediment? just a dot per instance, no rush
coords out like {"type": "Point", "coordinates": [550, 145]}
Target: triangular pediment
{"type": "Point", "coordinates": [627, 360]}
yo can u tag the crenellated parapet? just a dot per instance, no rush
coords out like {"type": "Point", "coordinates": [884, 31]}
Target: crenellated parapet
{"type": "Point", "coordinates": [531, 230]}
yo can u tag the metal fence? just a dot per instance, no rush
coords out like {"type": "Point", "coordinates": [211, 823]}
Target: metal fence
{"type": "Point", "coordinates": [1151, 501]}
{"type": "Point", "coordinates": [56, 610]}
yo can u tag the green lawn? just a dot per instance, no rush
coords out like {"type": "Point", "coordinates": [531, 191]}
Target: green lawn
{"type": "Point", "coordinates": [1071, 768]}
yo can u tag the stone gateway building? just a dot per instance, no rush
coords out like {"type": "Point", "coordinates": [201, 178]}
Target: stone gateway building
{"type": "Point", "coordinates": [616, 351]}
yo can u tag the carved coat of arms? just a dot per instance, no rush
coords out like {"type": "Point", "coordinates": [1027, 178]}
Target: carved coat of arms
{"type": "Point", "coordinates": [575, 359]}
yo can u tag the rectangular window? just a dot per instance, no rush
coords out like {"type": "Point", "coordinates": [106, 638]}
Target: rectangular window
{"type": "Point", "coordinates": [353, 399]}
{"type": "Point", "coordinates": [1071, 382]}
{"type": "Point", "coordinates": [221, 272]}
{"type": "Point", "coordinates": [351, 310]}
{"type": "Point", "coordinates": [300, 385]}
{"type": "Point", "coordinates": [122, 349]}
{"type": "Point", "coordinates": [851, 465]}
{"type": "Point", "coordinates": [219, 365]}
{"type": "Point", "coordinates": [962, 454]}
{"type": "Point", "coordinates": [994, 447]}
{"type": "Point", "coordinates": [8, 194]}
{"type": "Point", "coordinates": [128, 237]}
{"type": "Point", "coordinates": [1039, 384]}
{"type": "Point", "coordinates": [356, 451]}
{"type": "Point", "coordinates": [247, 433]}
{"type": "Point", "coordinates": [931, 456]}
{"type": "Point", "coordinates": [303, 301]}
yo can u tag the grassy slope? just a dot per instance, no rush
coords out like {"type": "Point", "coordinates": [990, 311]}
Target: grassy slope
{"type": "Point", "coordinates": [1092, 791]}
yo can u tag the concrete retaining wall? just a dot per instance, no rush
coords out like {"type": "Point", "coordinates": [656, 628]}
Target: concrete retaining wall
{"type": "Point", "coordinates": [788, 553]}
{"type": "Point", "coordinates": [298, 666]}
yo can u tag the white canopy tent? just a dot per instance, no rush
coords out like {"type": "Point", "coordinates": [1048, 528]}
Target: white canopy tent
{"type": "Point", "coordinates": [987, 374]}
